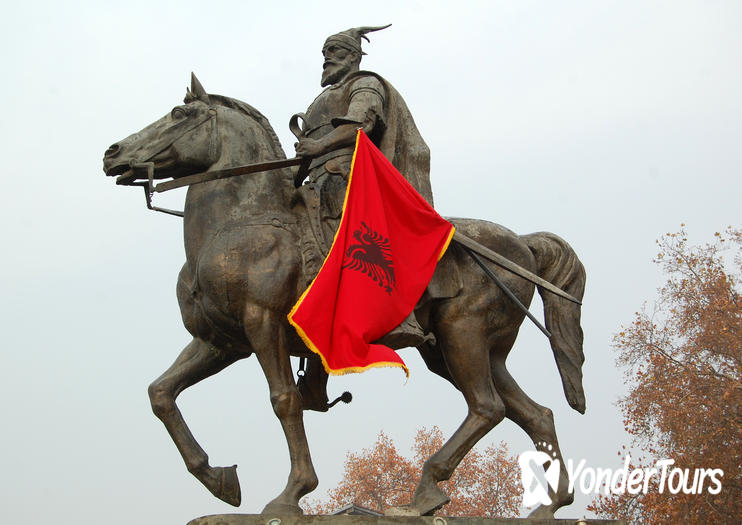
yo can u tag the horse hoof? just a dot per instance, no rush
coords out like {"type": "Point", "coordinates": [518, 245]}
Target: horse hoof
{"type": "Point", "coordinates": [427, 500]}
{"type": "Point", "coordinates": [229, 485]}
{"type": "Point", "coordinates": [275, 508]}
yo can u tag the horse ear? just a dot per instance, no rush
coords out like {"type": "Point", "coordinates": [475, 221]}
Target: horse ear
{"type": "Point", "coordinates": [197, 91]}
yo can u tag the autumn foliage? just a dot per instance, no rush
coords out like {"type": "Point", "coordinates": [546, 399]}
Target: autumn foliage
{"type": "Point", "coordinates": [683, 361]}
{"type": "Point", "coordinates": [485, 483]}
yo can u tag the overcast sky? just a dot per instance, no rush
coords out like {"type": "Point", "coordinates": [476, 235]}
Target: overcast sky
{"type": "Point", "coordinates": [608, 123]}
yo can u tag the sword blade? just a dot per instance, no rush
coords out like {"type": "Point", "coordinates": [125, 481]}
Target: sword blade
{"type": "Point", "coordinates": [511, 266]}
{"type": "Point", "coordinates": [506, 290]}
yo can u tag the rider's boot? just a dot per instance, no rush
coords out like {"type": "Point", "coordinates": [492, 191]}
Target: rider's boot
{"type": "Point", "coordinates": [408, 334]}
{"type": "Point", "coordinates": [313, 387]}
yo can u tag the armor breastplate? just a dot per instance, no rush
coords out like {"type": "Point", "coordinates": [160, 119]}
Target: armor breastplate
{"type": "Point", "coordinates": [331, 103]}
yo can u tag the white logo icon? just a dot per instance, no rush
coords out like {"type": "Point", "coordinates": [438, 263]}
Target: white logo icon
{"type": "Point", "coordinates": [535, 481]}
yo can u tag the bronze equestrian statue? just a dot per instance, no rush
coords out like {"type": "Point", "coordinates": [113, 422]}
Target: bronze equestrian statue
{"type": "Point", "coordinates": [244, 270]}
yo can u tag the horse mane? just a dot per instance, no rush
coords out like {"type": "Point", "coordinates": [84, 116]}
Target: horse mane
{"type": "Point", "coordinates": [247, 109]}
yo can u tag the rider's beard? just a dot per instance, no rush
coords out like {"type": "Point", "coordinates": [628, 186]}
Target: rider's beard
{"type": "Point", "coordinates": [333, 74]}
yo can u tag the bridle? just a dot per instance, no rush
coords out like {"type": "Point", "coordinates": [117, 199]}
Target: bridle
{"type": "Point", "coordinates": [157, 147]}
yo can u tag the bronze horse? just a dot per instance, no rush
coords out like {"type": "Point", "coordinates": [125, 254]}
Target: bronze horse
{"type": "Point", "coordinates": [243, 273]}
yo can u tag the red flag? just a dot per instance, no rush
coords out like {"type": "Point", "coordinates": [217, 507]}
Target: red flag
{"type": "Point", "coordinates": [382, 259]}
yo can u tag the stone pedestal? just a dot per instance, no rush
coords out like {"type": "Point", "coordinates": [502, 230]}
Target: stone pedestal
{"type": "Point", "coordinates": [257, 519]}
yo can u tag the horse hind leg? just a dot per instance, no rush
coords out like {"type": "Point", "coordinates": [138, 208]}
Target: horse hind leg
{"type": "Point", "coordinates": [433, 358]}
{"type": "Point", "coordinates": [467, 358]}
{"type": "Point", "coordinates": [538, 422]}
{"type": "Point", "coordinates": [197, 361]}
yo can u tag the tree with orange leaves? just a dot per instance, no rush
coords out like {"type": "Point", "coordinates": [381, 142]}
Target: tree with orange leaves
{"type": "Point", "coordinates": [484, 484]}
{"type": "Point", "coordinates": [683, 361]}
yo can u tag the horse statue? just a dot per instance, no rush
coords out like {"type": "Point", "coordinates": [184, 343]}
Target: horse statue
{"type": "Point", "coordinates": [243, 273]}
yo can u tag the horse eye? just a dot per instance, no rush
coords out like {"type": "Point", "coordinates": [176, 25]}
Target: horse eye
{"type": "Point", "coordinates": [178, 113]}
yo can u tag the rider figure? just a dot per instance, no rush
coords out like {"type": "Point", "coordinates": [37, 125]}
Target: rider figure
{"type": "Point", "coordinates": [354, 99]}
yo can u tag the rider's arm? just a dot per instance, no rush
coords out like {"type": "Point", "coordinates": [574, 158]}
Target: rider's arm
{"type": "Point", "coordinates": [366, 105]}
{"type": "Point", "coordinates": [340, 137]}
{"type": "Point", "coordinates": [365, 109]}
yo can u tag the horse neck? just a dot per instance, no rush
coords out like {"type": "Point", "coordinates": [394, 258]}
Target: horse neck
{"type": "Point", "coordinates": [239, 198]}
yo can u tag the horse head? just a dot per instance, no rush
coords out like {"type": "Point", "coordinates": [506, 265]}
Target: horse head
{"type": "Point", "coordinates": [206, 132]}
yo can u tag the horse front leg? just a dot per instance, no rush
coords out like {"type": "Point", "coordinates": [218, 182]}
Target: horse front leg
{"type": "Point", "coordinates": [287, 405]}
{"type": "Point", "coordinates": [197, 361]}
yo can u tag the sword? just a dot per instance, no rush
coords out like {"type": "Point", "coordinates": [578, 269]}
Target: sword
{"type": "Point", "coordinates": [509, 265]}
{"type": "Point", "coordinates": [506, 290]}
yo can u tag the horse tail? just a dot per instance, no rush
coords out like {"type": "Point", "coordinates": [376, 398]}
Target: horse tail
{"type": "Point", "coordinates": [557, 263]}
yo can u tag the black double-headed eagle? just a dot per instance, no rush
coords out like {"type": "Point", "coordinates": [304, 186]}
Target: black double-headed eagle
{"type": "Point", "coordinates": [372, 256]}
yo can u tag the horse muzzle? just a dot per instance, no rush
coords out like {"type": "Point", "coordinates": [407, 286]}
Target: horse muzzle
{"type": "Point", "coordinates": [116, 165]}
{"type": "Point", "coordinates": [128, 170]}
